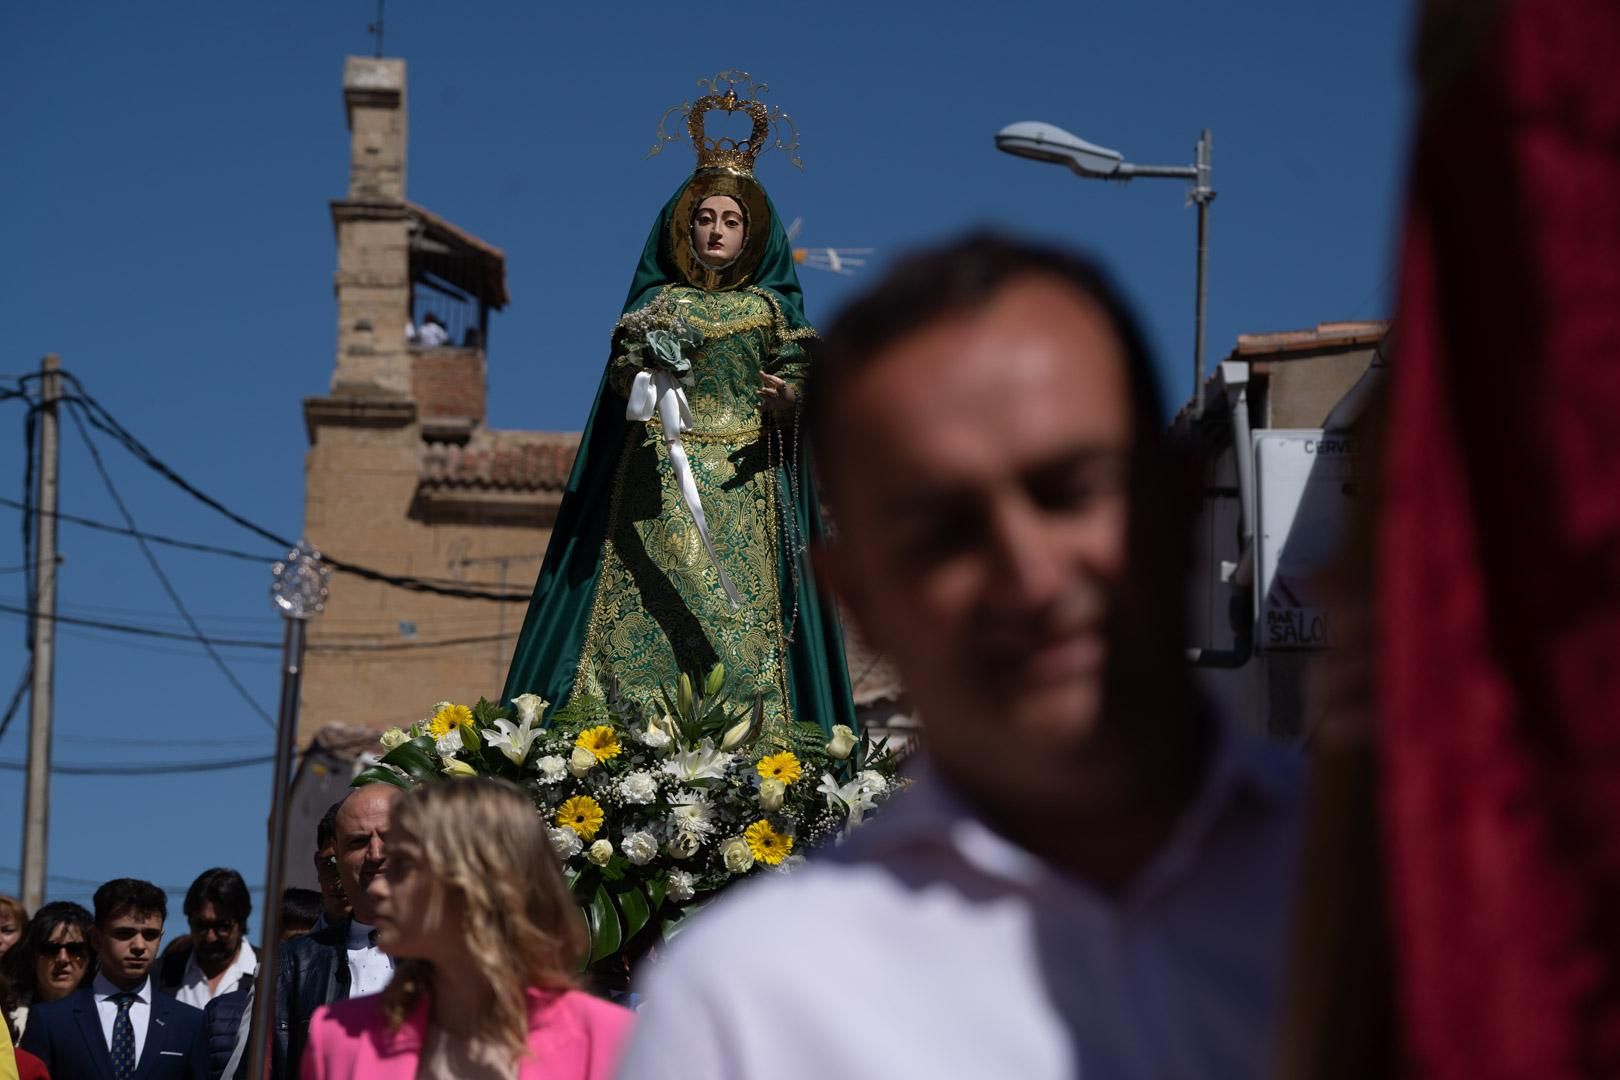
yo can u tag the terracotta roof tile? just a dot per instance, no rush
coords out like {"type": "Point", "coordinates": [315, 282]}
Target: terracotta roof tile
{"type": "Point", "coordinates": [501, 460]}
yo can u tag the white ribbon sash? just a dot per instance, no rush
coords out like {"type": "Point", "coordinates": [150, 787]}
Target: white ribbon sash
{"type": "Point", "coordinates": [657, 391]}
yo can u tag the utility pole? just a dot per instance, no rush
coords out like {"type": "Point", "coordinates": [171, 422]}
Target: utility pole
{"type": "Point", "coordinates": [37, 799]}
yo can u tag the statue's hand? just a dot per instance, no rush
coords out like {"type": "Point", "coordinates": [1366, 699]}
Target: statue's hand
{"type": "Point", "coordinates": [776, 395]}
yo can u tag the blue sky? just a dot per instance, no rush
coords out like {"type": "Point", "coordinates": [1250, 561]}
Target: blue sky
{"type": "Point", "coordinates": [168, 168]}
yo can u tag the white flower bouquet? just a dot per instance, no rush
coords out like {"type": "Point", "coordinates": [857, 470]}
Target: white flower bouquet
{"type": "Point", "coordinates": [652, 815]}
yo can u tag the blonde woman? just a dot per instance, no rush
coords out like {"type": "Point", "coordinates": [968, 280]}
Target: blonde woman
{"type": "Point", "coordinates": [485, 935]}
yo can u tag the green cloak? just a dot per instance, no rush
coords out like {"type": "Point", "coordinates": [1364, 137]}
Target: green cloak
{"type": "Point", "coordinates": [554, 630]}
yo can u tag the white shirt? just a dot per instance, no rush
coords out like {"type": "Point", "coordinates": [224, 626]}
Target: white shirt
{"type": "Point", "coordinates": [930, 946]}
{"type": "Point", "coordinates": [369, 967]}
{"type": "Point", "coordinates": [431, 334]}
{"type": "Point", "coordinates": [140, 1010]}
{"type": "Point", "coordinates": [194, 990]}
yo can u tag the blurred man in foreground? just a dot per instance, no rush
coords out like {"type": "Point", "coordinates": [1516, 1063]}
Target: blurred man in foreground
{"type": "Point", "coordinates": [1092, 874]}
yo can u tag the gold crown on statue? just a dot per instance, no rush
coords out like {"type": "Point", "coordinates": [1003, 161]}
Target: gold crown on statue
{"type": "Point", "coordinates": [733, 155]}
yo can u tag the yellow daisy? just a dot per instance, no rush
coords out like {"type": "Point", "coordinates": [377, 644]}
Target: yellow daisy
{"type": "Point", "coordinates": [783, 767]}
{"type": "Point", "coordinates": [448, 719]}
{"type": "Point", "coordinates": [583, 814]}
{"type": "Point", "coordinates": [766, 844]}
{"type": "Point", "coordinates": [601, 741]}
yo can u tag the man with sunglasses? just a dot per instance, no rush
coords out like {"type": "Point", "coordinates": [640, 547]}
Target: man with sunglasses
{"type": "Point", "coordinates": [118, 1025]}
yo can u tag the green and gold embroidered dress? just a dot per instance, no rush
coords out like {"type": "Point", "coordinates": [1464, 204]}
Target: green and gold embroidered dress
{"type": "Point", "coordinates": [628, 593]}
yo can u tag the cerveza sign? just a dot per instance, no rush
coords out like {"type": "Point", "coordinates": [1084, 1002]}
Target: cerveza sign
{"type": "Point", "coordinates": [1304, 481]}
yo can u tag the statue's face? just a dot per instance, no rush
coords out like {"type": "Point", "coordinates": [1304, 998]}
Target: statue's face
{"type": "Point", "coordinates": [718, 230]}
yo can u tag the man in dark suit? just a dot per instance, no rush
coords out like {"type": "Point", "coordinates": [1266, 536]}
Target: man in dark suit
{"type": "Point", "coordinates": [339, 960]}
{"type": "Point", "coordinates": [118, 1028]}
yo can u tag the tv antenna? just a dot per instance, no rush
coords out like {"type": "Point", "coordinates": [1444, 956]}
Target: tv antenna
{"type": "Point", "coordinates": [377, 29]}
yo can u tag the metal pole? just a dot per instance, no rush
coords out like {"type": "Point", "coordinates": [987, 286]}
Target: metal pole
{"type": "Point", "coordinates": [37, 797]}
{"type": "Point", "coordinates": [1203, 194]}
{"type": "Point", "coordinates": [299, 592]}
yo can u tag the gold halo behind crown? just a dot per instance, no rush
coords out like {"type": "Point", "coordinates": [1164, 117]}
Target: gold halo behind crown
{"type": "Point", "coordinates": [730, 154]}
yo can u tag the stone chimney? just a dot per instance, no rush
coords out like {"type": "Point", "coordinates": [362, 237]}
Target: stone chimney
{"type": "Point", "coordinates": [373, 237]}
{"type": "Point", "coordinates": [374, 94]}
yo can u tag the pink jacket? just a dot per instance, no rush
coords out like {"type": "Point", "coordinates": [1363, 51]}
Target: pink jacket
{"type": "Point", "coordinates": [572, 1036]}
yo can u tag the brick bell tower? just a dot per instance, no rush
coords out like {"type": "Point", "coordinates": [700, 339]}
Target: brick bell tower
{"type": "Point", "coordinates": [402, 473]}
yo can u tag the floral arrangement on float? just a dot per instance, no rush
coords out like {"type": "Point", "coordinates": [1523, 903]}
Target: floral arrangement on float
{"type": "Point", "coordinates": [653, 814]}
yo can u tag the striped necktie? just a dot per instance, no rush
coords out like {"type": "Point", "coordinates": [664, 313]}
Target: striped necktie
{"type": "Point", "coordinates": [123, 1038]}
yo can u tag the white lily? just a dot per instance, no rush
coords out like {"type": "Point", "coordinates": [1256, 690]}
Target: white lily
{"type": "Point", "coordinates": [703, 763]}
{"type": "Point", "coordinates": [454, 766]}
{"type": "Point", "coordinates": [855, 797]}
{"type": "Point", "coordinates": [511, 739]}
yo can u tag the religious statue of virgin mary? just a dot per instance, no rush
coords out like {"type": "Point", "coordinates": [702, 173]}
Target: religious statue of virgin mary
{"type": "Point", "coordinates": [682, 534]}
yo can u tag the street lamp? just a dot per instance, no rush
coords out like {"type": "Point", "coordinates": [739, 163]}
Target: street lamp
{"type": "Point", "coordinates": [1048, 142]}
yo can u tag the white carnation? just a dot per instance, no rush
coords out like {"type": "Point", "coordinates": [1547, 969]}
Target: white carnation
{"type": "Point", "coordinates": [449, 743]}
{"type": "Point", "coordinates": [681, 885]}
{"type": "Point", "coordinates": [654, 738]}
{"type": "Point", "coordinates": [692, 813]}
{"type": "Point", "coordinates": [565, 842]}
{"type": "Point", "coordinates": [553, 769]}
{"type": "Point", "coordinates": [639, 787]}
{"type": "Point", "coordinates": [639, 847]}
{"type": "Point", "coordinates": [873, 783]}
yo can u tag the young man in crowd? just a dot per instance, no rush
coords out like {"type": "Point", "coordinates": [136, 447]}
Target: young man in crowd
{"type": "Point", "coordinates": [219, 959]}
{"type": "Point", "coordinates": [118, 1026]}
{"type": "Point", "coordinates": [334, 903]}
{"type": "Point", "coordinates": [1092, 874]}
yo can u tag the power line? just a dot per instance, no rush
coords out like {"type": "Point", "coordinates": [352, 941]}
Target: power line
{"type": "Point", "coordinates": [163, 578]}
{"type": "Point", "coordinates": [196, 545]}
{"type": "Point", "coordinates": [253, 643]}
{"type": "Point", "coordinates": [100, 418]}
{"type": "Point", "coordinates": [17, 696]}
{"type": "Point", "coordinates": [168, 541]}
{"type": "Point", "coordinates": [95, 883]}
{"type": "Point", "coordinates": [117, 740]}
{"type": "Point", "coordinates": [146, 770]}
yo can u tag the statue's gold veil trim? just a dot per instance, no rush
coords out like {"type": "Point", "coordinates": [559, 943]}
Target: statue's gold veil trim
{"type": "Point", "coordinates": [751, 197]}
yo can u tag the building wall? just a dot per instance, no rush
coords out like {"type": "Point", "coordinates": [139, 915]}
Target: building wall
{"type": "Point", "coordinates": [361, 484]}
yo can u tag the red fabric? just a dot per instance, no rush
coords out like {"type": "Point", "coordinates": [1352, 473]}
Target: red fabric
{"type": "Point", "coordinates": [30, 1067]}
{"type": "Point", "coordinates": [1500, 560]}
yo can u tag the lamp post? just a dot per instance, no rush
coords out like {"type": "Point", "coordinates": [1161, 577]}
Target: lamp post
{"type": "Point", "coordinates": [299, 592]}
{"type": "Point", "coordinates": [1048, 142]}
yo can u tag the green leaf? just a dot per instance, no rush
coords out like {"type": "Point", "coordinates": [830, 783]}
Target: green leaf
{"type": "Point", "coordinates": [635, 908]}
{"type": "Point", "coordinates": [656, 889]}
{"type": "Point", "coordinates": [470, 741]}
{"type": "Point", "coordinates": [603, 918]}
{"type": "Point", "coordinates": [377, 774]}
{"type": "Point", "coordinates": [585, 882]}
{"type": "Point", "coordinates": [677, 922]}
{"type": "Point", "coordinates": [590, 939]}
{"type": "Point", "coordinates": [418, 758]}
